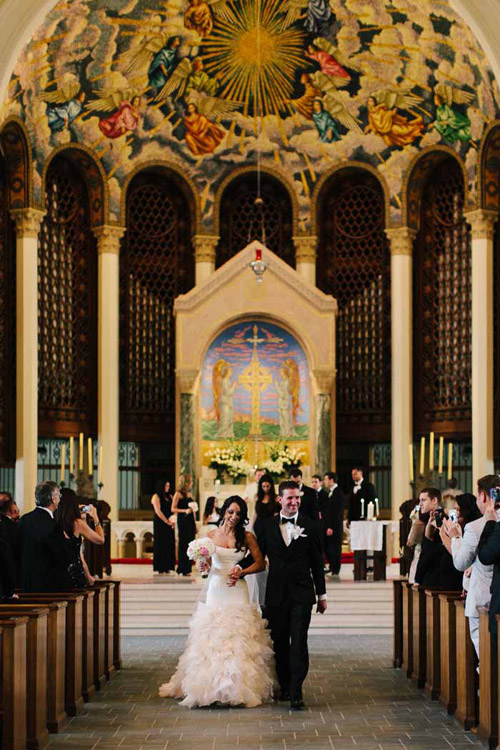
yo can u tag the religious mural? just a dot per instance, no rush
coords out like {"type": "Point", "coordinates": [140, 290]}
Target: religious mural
{"type": "Point", "coordinates": [204, 83]}
{"type": "Point", "coordinates": [255, 386]}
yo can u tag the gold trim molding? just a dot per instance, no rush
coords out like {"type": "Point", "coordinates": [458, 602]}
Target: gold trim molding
{"type": "Point", "coordinates": [305, 248]}
{"type": "Point", "coordinates": [205, 246]}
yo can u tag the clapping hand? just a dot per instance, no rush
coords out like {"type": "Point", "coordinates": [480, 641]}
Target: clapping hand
{"type": "Point", "coordinates": [453, 530]}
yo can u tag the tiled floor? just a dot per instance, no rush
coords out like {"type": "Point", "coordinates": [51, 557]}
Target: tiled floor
{"type": "Point", "coordinates": [355, 700]}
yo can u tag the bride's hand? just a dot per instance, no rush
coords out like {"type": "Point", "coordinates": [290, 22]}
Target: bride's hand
{"type": "Point", "coordinates": [235, 574]}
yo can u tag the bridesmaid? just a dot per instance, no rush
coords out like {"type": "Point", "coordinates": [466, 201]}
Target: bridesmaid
{"type": "Point", "coordinates": [164, 530]}
{"type": "Point", "coordinates": [186, 524]}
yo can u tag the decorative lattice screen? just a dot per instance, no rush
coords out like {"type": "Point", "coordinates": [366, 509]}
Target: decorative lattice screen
{"type": "Point", "coordinates": [354, 266]}
{"type": "Point", "coordinates": [241, 220]}
{"type": "Point", "coordinates": [156, 264]}
{"type": "Point", "coordinates": [442, 356]}
{"type": "Point", "coordinates": [7, 327]}
{"type": "Point", "coordinates": [67, 307]}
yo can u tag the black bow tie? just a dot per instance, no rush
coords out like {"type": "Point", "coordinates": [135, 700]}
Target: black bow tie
{"type": "Point", "coordinates": [287, 520]}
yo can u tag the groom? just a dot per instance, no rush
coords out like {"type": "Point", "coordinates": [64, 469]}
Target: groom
{"type": "Point", "coordinates": [292, 544]}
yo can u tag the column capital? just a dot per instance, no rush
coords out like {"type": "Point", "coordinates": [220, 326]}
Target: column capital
{"type": "Point", "coordinates": [108, 238]}
{"type": "Point", "coordinates": [204, 247]}
{"type": "Point", "coordinates": [187, 380]}
{"type": "Point", "coordinates": [27, 221]}
{"type": "Point", "coordinates": [482, 223]}
{"type": "Point", "coordinates": [324, 380]}
{"type": "Point", "coordinates": [401, 240]}
{"type": "Point", "coordinates": [305, 248]}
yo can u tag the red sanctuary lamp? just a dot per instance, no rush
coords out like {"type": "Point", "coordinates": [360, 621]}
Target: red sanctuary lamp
{"type": "Point", "coordinates": [257, 265]}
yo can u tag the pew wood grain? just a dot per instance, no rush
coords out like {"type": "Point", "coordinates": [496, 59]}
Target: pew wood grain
{"type": "Point", "coordinates": [397, 658]}
{"type": "Point", "coordinates": [488, 684]}
{"type": "Point", "coordinates": [448, 647]}
{"type": "Point", "coordinates": [466, 669]}
{"type": "Point", "coordinates": [13, 695]}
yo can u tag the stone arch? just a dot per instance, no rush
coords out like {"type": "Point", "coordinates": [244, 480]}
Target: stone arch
{"type": "Point", "coordinates": [14, 140]}
{"type": "Point", "coordinates": [342, 166]}
{"type": "Point", "coordinates": [418, 171]}
{"type": "Point", "coordinates": [91, 169]}
{"type": "Point", "coordinates": [243, 171]}
{"type": "Point", "coordinates": [489, 168]}
{"type": "Point", "coordinates": [185, 182]}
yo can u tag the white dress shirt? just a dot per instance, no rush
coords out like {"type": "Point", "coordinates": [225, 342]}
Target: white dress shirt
{"type": "Point", "coordinates": [357, 486]}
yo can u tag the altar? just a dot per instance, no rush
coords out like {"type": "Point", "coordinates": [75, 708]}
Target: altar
{"type": "Point", "coordinates": [256, 377]}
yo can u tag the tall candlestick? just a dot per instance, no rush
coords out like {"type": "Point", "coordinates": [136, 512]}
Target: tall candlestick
{"type": "Point", "coordinates": [377, 509]}
{"type": "Point", "coordinates": [410, 454]}
{"type": "Point", "coordinates": [431, 452]}
{"type": "Point", "coordinates": [450, 460]}
{"type": "Point", "coordinates": [63, 461]}
{"type": "Point", "coordinates": [71, 455]}
{"type": "Point", "coordinates": [362, 507]}
{"type": "Point", "coordinates": [422, 455]}
{"type": "Point", "coordinates": [441, 451]}
{"type": "Point", "coordinates": [80, 453]}
{"type": "Point", "coordinates": [100, 465]}
{"type": "Point", "coordinates": [89, 446]}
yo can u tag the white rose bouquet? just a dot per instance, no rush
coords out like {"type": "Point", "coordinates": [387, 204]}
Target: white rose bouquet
{"type": "Point", "coordinates": [201, 550]}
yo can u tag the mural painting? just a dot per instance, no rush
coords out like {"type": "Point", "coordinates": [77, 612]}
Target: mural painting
{"type": "Point", "coordinates": [204, 84]}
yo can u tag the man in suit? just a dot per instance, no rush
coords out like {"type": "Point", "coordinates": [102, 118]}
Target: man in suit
{"type": "Point", "coordinates": [296, 581]}
{"type": "Point", "coordinates": [9, 526]}
{"type": "Point", "coordinates": [464, 550]}
{"type": "Point", "coordinates": [362, 490]}
{"type": "Point", "coordinates": [332, 521]}
{"type": "Point", "coordinates": [489, 554]}
{"type": "Point", "coordinates": [309, 502]}
{"type": "Point", "coordinates": [44, 551]}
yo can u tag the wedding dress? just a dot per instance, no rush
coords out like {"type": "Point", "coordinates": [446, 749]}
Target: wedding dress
{"type": "Point", "coordinates": [228, 657]}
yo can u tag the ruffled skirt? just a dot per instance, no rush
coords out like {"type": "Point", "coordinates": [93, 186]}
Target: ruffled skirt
{"type": "Point", "coordinates": [228, 659]}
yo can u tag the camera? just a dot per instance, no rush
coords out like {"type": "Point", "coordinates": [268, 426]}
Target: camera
{"type": "Point", "coordinates": [86, 508]}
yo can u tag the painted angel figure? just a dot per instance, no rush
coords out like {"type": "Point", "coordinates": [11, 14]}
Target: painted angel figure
{"type": "Point", "coordinates": [202, 135]}
{"type": "Point", "coordinates": [385, 120]}
{"type": "Point", "coordinates": [317, 15]}
{"type": "Point", "coordinates": [330, 61]}
{"type": "Point", "coordinates": [282, 386]}
{"type": "Point", "coordinates": [330, 108]}
{"type": "Point", "coordinates": [451, 124]}
{"type": "Point", "coordinates": [224, 389]}
{"type": "Point", "coordinates": [124, 106]}
{"type": "Point", "coordinates": [189, 75]}
{"type": "Point", "coordinates": [63, 105]}
{"type": "Point", "coordinates": [156, 55]}
{"type": "Point", "coordinates": [305, 103]}
{"type": "Point", "coordinates": [199, 15]}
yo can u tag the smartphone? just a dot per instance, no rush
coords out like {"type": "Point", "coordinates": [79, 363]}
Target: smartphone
{"type": "Point", "coordinates": [453, 516]}
{"type": "Point", "coordinates": [86, 508]}
{"type": "Point", "coordinates": [438, 517]}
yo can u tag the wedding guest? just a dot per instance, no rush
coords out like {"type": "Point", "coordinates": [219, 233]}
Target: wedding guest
{"type": "Point", "coordinates": [435, 567]}
{"type": "Point", "coordinates": [250, 493]}
{"type": "Point", "coordinates": [9, 516]}
{"type": "Point", "coordinates": [8, 565]}
{"type": "Point", "coordinates": [308, 501]}
{"type": "Point", "coordinates": [332, 521]}
{"type": "Point", "coordinates": [317, 485]}
{"type": "Point", "coordinates": [163, 530]}
{"type": "Point", "coordinates": [361, 490]}
{"type": "Point", "coordinates": [489, 554]}
{"type": "Point", "coordinates": [450, 494]}
{"type": "Point", "coordinates": [44, 552]}
{"type": "Point", "coordinates": [69, 518]}
{"type": "Point", "coordinates": [186, 524]}
{"type": "Point", "coordinates": [266, 505]}
{"type": "Point", "coordinates": [211, 517]}
{"type": "Point", "coordinates": [413, 544]}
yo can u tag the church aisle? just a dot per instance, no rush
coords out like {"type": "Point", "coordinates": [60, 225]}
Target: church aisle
{"type": "Point", "coordinates": [355, 698]}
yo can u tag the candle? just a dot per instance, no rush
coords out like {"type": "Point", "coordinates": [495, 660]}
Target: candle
{"type": "Point", "coordinates": [80, 453]}
{"type": "Point", "coordinates": [258, 254]}
{"type": "Point", "coordinates": [63, 461]}
{"type": "Point", "coordinates": [100, 465]}
{"type": "Point", "coordinates": [422, 455]}
{"type": "Point", "coordinates": [410, 453]}
{"type": "Point", "coordinates": [441, 451]}
{"type": "Point", "coordinates": [370, 509]}
{"type": "Point", "coordinates": [450, 460]}
{"type": "Point", "coordinates": [71, 454]}
{"type": "Point", "coordinates": [377, 509]}
{"type": "Point", "coordinates": [89, 446]}
{"type": "Point", "coordinates": [362, 507]}
{"type": "Point", "coordinates": [217, 486]}
{"type": "Point", "coordinates": [431, 452]}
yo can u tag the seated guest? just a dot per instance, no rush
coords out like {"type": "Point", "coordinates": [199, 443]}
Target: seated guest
{"type": "Point", "coordinates": [44, 552]}
{"type": "Point", "coordinates": [435, 567]}
{"type": "Point", "coordinates": [69, 519]}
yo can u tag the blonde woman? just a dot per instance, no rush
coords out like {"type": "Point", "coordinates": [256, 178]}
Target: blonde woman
{"type": "Point", "coordinates": [186, 524]}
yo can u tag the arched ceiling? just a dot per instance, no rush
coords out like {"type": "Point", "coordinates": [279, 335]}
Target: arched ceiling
{"type": "Point", "coordinates": [81, 49]}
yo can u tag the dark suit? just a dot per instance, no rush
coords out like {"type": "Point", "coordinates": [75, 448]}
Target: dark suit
{"type": "Point", "coordinates": [309, 503]}
{"type": "Point", "coordinates": [489, 554]}
{"type": "Point", "coordinates": [295, 579]}
{"type": "Point", "coordinates": [332, 517]}
{"type": "Point", "coordinates": [7, 565]}
{"type": "Point", "coordinates": [9, 541]}
{"type": "Point", "coordinates": [45, 553]}
{"type": "Point", "coordinates": [367, 493]}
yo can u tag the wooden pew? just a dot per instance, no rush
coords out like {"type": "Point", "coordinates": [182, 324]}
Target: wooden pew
{"type": "Point", "coordinates": [488, 684]}
{"type": "Point", "coordinates": [407, 664]}
{"type": "Point", "coordinates": [466, 669]}
{"type": "Point", "coordinates": [88, 687]}
{"type": "Point", "coordinates": [448, 647]}
{"type": "Point", "coordinates": [397, 658]}
{"type": "Point", "coordinates": [109, 591]}
{"type": "Point", "coordinates": [419, 631]}
{"type": "Point", "coordinates": [433, 645]}
{"type": "Point", "coordinates": [13, 699]}
{"type": "Point", "coordinates": [99, 636]}
{"type": "Point", "coordinates": [117, 654]}
{"type": "Point", "coordinates": [36, 664]}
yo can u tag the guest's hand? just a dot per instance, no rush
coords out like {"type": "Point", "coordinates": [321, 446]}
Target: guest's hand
{"type": "Point", "coordinates": [321, 608]}
{"type": "Point", "coordinates": [490, 514]}
{"type": "Point", "coordinates": [93, 514]}
{"type": "Point", "coordinates": [329, 532]}
{"type": "Point", "coordinates": [454, 530]}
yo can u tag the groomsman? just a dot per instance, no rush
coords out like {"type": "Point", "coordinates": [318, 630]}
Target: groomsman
{"type": "Point", "coordinates": [362, 490]}
{"type": "Point", "coordinates": [321, 493]}
{"type": "Point", "coordinates": [332, 521]}
{"type": "Point", "coordinates": [309, 502]}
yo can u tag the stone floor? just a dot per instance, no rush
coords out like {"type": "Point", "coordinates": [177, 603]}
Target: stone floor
{"type": "Point", "coordinates": [355, 700]}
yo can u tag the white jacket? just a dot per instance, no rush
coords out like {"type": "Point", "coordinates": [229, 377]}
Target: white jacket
{"type": "Point", "coordinates": [464, 551]}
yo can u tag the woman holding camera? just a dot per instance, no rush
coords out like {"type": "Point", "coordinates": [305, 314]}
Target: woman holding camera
{"type": "Point", "coordinates": [75, 527]}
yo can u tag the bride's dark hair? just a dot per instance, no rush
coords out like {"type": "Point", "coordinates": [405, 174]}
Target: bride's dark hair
{"type": "Point", "coordinates": [239, 529]}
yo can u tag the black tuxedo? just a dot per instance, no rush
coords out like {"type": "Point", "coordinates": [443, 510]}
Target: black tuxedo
{"type": "Point", "coordinates": [295, 579]}
{"type": "Point", "coordinates": [45, 553]}
{"type": "Point", "coordinates": [332, 517]}
{"type": "Point", "coordinates": [367, 493]}
{"type": "Point", "coordinates": [9, 541]}
{"type": "Point", "coordinates": [309, 505]}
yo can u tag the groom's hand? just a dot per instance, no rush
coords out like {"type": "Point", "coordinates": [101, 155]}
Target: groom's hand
{"type": "Point", "coordinates": [321, 608]}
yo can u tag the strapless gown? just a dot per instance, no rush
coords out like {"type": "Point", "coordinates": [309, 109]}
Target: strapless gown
{"type": "Point", "coordinates": [228, 657]}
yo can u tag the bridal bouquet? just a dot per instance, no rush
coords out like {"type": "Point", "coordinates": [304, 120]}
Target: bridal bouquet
{"type": "Point", "coordinates": [200, 550]}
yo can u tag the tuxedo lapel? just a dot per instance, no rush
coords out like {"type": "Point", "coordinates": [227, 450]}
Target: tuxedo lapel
{"type": "Point", "coordinates": [277, 529]}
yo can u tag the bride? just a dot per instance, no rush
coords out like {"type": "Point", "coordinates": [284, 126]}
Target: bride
{"type": "Point", "coordinates": [238, 667]}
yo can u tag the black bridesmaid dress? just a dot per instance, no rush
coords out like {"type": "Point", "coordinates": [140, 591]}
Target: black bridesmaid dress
{"type": "Point", "coordinates": [186, 527]}
{"type": "Point", "coordinates": [164, 538]}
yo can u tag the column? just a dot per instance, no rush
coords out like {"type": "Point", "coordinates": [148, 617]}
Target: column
{"type": "Point", "coordinates": [482, 224]}
{"type": "Point", "coordinates": [401, 241]}
{"type": "Point", "coordinates": [325, 460]}
{"type": "Point", "coordinates": [186, 381]}
{"type": "Point", "coordinates": [27, 222]}
{"type": "Point", "coordinates": [204, 256]}
{"type": "Point", "coordinates": [108, 377]}
{"type": "Point", "coordinates": [305, 257]}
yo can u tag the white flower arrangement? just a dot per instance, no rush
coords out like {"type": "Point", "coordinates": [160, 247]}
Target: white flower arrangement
{"type": "Point", "coordinates": [230, 459]}
{"type": "Point", "coordinates": [282, 458]}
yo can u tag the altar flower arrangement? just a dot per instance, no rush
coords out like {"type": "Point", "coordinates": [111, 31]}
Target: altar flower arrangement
{"type": "Point", "coordinates": [229, 460]}
{"type": "Point", "coordinates": [201, 550]}
{"type": "Point", "coordinates": [282, 458]}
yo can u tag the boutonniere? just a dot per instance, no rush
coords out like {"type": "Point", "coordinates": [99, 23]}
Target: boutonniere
{"type": "Point", "coordinates": [296, 532]}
